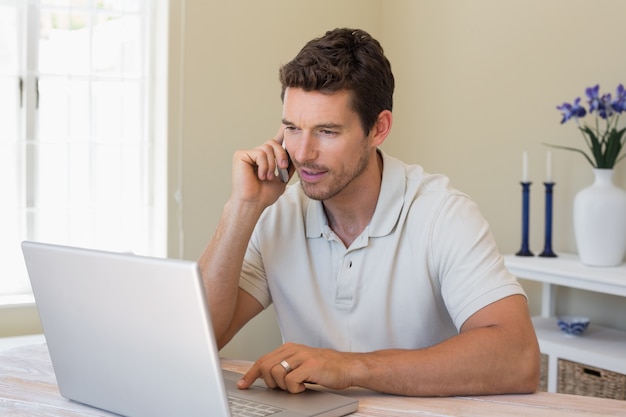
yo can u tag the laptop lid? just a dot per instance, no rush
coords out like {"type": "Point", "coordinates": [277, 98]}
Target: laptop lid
{"type": "Point", "coordinates": [131, 334]}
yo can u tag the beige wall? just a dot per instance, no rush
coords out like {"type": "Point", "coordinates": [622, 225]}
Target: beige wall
{"type": "Point", "coordinates": [477, 83]}
{"type": "Point", "coordinates": [20, 320]}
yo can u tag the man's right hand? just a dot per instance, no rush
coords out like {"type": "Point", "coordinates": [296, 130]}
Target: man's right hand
{"type": "Point", "coordinates": [254, 172]}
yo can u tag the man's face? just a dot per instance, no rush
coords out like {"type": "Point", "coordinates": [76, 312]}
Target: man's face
{"type": "Point", "coordinates": [326, 142]}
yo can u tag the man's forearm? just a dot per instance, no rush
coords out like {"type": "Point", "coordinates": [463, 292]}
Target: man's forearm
{"type": "Point", "coordinates": [222, 259]}
{"type": "Point", "coordinates": [478, 362]}
{"type": "Point", "coordinates": [495, 353]}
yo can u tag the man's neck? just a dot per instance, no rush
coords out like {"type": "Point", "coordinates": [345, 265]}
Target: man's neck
{"type": "Point", "coordinates": [351, 212]}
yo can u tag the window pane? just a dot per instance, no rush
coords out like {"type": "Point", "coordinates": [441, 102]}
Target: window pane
{"type": "Point", "coordinates": [51, 187]}
{"type": "Point", "coordinates": [64, 42]}
{"type": "Point", "coordinates": [8, 40]}
{"type": "Point", "coordinates": [9, 108]}
{"type": "Point", "coordinates": [66, 3]}
{"type": "Point", "coordinates": [64, 111]}
{"type": "Point", "coordinates": [12, 213]}
{"type": "Point", "coordinates": [10, 96]}
{"type": "Point", "coordinates": [80, 173]}
{"type": "Point", "coordinates": [125, 5]}
{"type": "Point", "coordinates": [117, 45]}
{"type": "Point", "coordinates": [118, 111]}
{"type": "Point", "coordinates": [10, 182]}
{"type": "Point", "coordinates": [119, 5]}
{"type": "Point", "coordinates": [76, 158]}
{"type": "Point", "coordinates": [12, 220]}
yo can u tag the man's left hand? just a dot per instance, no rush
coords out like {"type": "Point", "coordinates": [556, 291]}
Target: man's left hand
{"type": "Point", "coordinates": [292, 365]}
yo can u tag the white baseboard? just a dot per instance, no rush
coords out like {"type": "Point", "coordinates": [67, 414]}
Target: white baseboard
{"type": "Point", "coordinates": [17, 341]}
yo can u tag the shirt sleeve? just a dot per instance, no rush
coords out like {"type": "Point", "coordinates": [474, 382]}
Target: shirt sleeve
{"type": "Point", "coordinates": [253, 278]}
{"type": "Point", "coordinates": [470, 269]}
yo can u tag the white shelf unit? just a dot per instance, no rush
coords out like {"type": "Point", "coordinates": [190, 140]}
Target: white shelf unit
{"type": "Point", "coordinates": [599, 346]}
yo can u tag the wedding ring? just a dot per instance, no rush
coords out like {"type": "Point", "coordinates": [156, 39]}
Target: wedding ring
{"type": "Point", "coordinates": [285, 365]}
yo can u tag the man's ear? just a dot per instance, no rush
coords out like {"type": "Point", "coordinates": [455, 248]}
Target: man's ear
{"type": "Point", "coordinates": [382, 127]}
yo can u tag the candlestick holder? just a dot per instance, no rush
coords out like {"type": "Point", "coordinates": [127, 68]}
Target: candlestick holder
{"type": "Point", "coordinates": [547, 245]}
{"type": "Point", "coordinates": [524, 250]}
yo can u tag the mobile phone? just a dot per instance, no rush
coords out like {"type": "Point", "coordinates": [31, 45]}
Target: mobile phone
{"type": "Point", "coordinates": [283, 173]}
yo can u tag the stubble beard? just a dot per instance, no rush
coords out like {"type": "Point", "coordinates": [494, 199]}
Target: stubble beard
{"type": "Point", "coordinates": [315, 192]}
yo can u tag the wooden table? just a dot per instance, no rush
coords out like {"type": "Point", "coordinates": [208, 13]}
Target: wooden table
{"type": "Point", "coordinates": [28, 388]}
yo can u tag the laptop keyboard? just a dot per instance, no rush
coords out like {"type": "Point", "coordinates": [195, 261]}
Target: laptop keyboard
{"type": "Point", "coordinates": [245, 408]}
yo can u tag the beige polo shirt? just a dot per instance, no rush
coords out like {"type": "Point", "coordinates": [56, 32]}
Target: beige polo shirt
{"type": "Point", "coordinates": [423, 266]}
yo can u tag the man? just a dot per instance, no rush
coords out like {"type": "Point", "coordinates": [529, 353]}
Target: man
{"type": "Point", "coordinates": [382, 276]}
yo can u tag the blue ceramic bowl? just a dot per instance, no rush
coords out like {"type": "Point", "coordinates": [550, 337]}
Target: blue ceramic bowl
{"type": "Point", "coordinates": [573, 325]}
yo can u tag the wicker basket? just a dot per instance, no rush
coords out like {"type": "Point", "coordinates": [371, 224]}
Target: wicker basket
{"type": "Point", "coordinates": [576, 378]}
{"type": "Point", "coordinates": [543, 374]}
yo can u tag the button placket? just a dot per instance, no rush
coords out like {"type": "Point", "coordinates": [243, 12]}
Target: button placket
{"type": "Point", "coordinates": [345, 281]}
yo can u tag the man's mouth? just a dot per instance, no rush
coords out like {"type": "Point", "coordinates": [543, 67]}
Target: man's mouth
{"type": "Point", "coordinates": [311, 175]}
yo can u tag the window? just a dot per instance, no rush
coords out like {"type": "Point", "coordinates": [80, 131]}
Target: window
{"type": "Point", "coordinates": [81, 161]}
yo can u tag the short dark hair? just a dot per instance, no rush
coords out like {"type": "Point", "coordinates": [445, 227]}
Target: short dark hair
{"type": "Point", "coordinates": [344, 59]}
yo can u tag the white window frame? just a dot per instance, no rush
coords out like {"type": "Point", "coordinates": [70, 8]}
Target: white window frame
{"type": "Point", "coordinates": [14, 286]}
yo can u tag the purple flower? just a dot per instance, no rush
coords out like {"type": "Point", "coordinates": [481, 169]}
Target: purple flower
{"type": "Point", "coordinates": [572, 110]}
{"type": "Point", "coordinates": [619, 104]}
{"type": "Point", "coordinates": [605, 142]}
{"type": "Point", "coordinates": [600, 104]}
{"type": "Point", "coordinates": [593, 96]}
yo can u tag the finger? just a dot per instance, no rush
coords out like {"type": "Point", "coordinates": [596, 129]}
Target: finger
{"type": "Point", "coordinates": [270, 369]}
{"type": "Point", "coordinates": [260, 369]}
{"type": "Point", "coordinates": [295, 384]}
{"type": "Point", "coordinates": [277, 158]}
{"type": "Point", "coordinates": [296, 378]}
{"type": "Point", "coordinates": [279, 137]}
{"type": "Point", "coordinates": [264, 160]}
{"type": "Point", "coordinates": [282, 158]}
{"type": "Point", "coordinates": [279, 373]}
{"type": "Point", "coordinates": [249, 377]}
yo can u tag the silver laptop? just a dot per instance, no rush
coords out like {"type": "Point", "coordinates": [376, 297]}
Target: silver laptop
{"type": "Point", "coordinates": [131, 335]}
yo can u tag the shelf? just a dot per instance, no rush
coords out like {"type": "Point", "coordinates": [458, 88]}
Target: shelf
{"type": "Point", "coordinates": [567, 270]}
{"type": "Point", "coordinates": [598, 346]}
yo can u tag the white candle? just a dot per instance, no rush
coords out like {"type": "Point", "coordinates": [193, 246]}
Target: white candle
{"type": "Point", "coordinates": [549, 166]}
{"type": "Point", "coordinates": [525, 166]}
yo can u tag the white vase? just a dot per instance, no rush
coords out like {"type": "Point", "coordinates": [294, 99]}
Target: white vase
{"type": "Point", "coordinates": [600, 221]}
